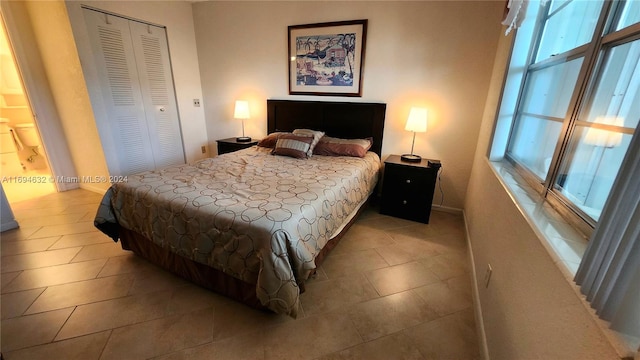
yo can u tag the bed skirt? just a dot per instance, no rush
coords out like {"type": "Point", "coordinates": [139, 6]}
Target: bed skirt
{"type": "Point", "coordinates": [195, 272]}
{"type": "Point", "coordinates": [209, 277]}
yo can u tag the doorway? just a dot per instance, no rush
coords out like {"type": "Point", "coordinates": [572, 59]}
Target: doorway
{"type": "Point", "coordinates": [24, 168]}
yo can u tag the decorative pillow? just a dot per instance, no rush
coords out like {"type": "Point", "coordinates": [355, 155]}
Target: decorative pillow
{"type": "Point", "coordinates": [270, 140]}
{"type": "Point", "coordinates": [293, 145]}
{"type": "Point", "coordinates": [317, 135]}
{"type": "Point", "coordinates": [329, 146]}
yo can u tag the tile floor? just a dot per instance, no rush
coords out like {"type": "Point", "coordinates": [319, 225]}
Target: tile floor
{"type": "Point", "coordinates": [392, 289]}
{"type": "Point", "coordinates": [33, 184]}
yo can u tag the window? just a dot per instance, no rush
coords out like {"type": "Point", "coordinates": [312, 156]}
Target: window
{"type": "Point", "coordinates": [578, 103]}
{"type": "Point", "coordinates": [603, 131]}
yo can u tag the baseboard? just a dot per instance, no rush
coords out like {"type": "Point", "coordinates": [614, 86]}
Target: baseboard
{"type": "Point", "coordinates": [8, 225]}
{"type": "Point", "coordinates": [66, 186]}
{"type": "Point", "coordinates": [93, 188]}
{"type": "Point", "coordinates": [447, 209]}
{"type": "Point", "coordinates": [482, 335]}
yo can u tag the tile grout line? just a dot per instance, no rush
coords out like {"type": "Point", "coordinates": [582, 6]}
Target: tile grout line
{"type": "Point", "coordinates": [104, 347]}
{"type": "Point", "coordinates": [75, 307]}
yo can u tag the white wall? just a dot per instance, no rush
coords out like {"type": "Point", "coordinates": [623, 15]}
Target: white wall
{"type": "Point", "coordinates": [178, 19]}
{"type": "Point", "coordinates": [436, 54]}
{"type": "Point", "coordinates": [529, 310]}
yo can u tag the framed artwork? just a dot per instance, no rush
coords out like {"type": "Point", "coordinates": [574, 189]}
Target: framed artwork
{"type": "Point", "coordinates": [327, 58]}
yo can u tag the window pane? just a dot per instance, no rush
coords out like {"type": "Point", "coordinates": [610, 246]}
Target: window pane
{"type": "Point", "coordinates": [618, 93]}
{"type": "Point", "coordinates": [587, 179]}
{"type": "Point", "coordinates": [533, 142]}
{"type": "Point", "coordinates": [548, 91]}
{"type": "Point", "coordinates": [568, 28]}
{"type": "Point", "coordinates": [630, 14]}
{"type": "Point", "coordinates": [596, 152]}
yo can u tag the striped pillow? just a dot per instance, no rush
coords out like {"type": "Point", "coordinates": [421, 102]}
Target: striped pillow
{"type": "Point", "coordinates": [317, 135]}
{"type": "Point", "coordinates": [293, 145]}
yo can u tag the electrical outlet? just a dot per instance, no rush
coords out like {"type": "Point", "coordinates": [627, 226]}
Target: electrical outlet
{"type": "Point", "coordinates": [204, 149]}
{"type": "Point", "coordinates": [196, 102]}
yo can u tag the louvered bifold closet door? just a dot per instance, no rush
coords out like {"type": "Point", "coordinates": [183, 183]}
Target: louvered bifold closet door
{"type": "Point", "coordinates": [136, 85]}
{"type": "Point", "coordinates": [158, 95]}
{"type": "Point", "coordinates": [113, 54]}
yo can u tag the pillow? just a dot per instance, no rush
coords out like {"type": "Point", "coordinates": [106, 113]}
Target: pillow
{"type": "Point", "coordinates": [329, 146]}
{"type": "Point", "coordinates": [270, 140]}
{"type": "Point", "coordinates": [317, 135]}
{"type": "Point", "coordinates": [292, 145]}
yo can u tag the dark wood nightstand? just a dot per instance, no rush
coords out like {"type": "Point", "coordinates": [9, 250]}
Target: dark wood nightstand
{"type": "Point", "coordinates": [407, 189]}
{"type": "Point", "coordinates": [231, 145]}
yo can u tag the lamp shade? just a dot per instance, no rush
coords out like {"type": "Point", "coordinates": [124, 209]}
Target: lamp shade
{"type": "Point", "coordinates": [602, 137]}
{"type": "Point", "coordinates": [242, 109]}
{"type": "Point", "coordinates": [417, 121]}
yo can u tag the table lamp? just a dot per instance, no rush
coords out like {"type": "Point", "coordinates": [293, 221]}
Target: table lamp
{"type": "Point", "coordinates": [417, 122]}
{"type": "Point", "coordinates": [242, 112]}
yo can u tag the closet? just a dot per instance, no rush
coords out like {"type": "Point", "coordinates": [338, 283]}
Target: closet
{"type": "Point", "coordinates": [140, 128]}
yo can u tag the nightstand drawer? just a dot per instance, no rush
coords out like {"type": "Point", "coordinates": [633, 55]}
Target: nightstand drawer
{"type": "Point", "coordinates": [407, 189]}
{"type": "Point", "coordinates": [406, 183]}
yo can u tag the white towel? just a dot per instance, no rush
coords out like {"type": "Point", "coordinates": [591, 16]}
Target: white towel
{"type": "Point", "coordinates": [16, 139]}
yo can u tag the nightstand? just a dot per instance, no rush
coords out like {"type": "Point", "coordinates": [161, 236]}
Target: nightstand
{"type": "Point", "coordinates": [407, 189]}
{"type": "Point", "coordinates": [231, 145]}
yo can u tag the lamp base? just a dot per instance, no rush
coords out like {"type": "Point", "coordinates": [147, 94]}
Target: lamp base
{"type": "Point", "coordinates": [410, 158]}
{"type": "Point", "coordinates": [243, 139]}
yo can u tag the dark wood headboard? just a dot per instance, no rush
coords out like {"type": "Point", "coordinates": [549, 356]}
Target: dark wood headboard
{"type": "Point", "coordinates": [337, 119]}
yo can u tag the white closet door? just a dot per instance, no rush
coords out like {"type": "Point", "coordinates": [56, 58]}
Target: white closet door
{"type": "Point", "coordinates": [113, 54]}
{"type": "Point", "coordinates": [154, 68]}
{"type": "Point", "coordinates": [136, 84]}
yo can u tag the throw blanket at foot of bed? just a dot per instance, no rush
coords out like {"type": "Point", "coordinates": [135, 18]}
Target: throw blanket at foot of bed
{"type": "Point", "coordinates": [256, 217]}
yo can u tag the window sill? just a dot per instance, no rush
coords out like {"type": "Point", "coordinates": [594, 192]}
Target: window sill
{"type": "Point", "coordinates": [563, 242]}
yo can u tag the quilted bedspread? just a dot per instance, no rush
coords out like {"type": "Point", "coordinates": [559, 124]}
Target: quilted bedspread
{"type": "Point", "coordinates": [257, 217]}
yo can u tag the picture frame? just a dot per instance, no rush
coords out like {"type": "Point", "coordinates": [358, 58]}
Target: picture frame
{"type": "Point", "coordinates": [327, 58]}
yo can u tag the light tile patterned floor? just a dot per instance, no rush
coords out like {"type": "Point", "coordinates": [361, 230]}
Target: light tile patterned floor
{"type": "Point", "coordinates": [392, 289]}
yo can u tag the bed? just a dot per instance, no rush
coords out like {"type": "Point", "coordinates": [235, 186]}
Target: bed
{"type": "Point", "coordinates": [251, 225]}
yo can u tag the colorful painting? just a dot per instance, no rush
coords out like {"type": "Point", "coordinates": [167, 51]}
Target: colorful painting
{"type": "Point", "coordinates": [327, 58]}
